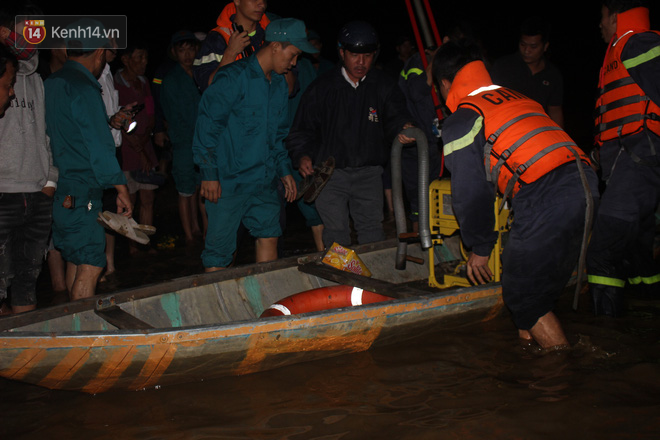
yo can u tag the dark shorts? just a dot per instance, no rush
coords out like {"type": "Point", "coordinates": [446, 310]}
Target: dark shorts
{"type": "Point", "coordinates": [77, 234]}
{"type": "Point", "coordinates": [260, 213]}
{"type": "Point", "coordinates": [25, 220]}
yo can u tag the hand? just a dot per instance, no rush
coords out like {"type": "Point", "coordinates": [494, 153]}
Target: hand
{"type": "Point", "coordinates": [161, 138]}
{"type": "Point", "coordinates": [291, 189]}
{"type": "Point", "coordinates": [124, 205]}
{"type": "Point", "coordinates": [146, 163]}
{"type": "Point", "coordinates": [305, 168]}
{"type": "Point", "coordinates": [49, 191]}
{"type": "Point", "coordinates": [211, 190]}
{"type": "Point", "coordinates": [404, 139]}
{"type": "Point", "coordinates": [477, 269]}
{"type": "Point", "coordinates": [238, 41]}
{"type": "Point", "coordinates": [124, 113]}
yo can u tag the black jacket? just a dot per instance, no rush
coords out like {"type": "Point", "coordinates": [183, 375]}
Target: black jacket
{"type": "Point", "coordinates": [355, 125]}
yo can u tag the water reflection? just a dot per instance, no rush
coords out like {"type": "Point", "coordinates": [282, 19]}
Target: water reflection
{"type": "Point", "coordinates": [474, 382]}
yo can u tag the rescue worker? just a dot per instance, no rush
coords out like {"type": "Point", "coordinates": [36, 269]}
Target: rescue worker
{"type": "Point", "coordinates": [529, 160]}
{"type": "Point", "coordinates": [227, 43]}
{"type": "Point", "coordinates": [627, 136]}
{"type": "Point", "coordinates": [239, 145]}
{"type": "Point", "coordinates": [84, 153]}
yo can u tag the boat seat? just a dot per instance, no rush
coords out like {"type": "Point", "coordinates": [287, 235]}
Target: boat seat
{"type": "Point", "coordinates": [122, 319]}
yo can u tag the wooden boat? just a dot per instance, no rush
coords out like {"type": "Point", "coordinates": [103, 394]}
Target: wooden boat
{"type": "Point", "coordinates": [207, 326]}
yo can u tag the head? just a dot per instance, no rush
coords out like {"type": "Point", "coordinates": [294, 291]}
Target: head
{"type": "Point", "coordinates": [286, 39]}
{"type": "Point", "coordinates": [8, 67]}
{"type": "Point", "coordinates": [12, 25]}
{"type": "Point", "coordinates": [135, 57]}
{"type": "Point", "coordinates": [405, 47]}
{"type": "Point", "coordinates": [89, 50]}
{"type": "Point", "coordinates": [449, 59]}
{"type": "Point", "coordinates": [251, 10]}
{"type": "Point", "coordinates": [358, 46]}
{"type": "Point", "coordinates": [533, 42]}
{"type": "Point", "coordinates": [183, 48]}
{"type": "Point", "coordinates": [94, 60]}
{"type": "Point", "coordinates": [315, 40]}
{"type": "Point", "coordinates": [609, 11]}
{"type": "Point", "coordinates": [111, 52]}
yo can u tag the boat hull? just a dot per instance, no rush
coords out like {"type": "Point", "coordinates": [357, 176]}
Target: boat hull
{"type": "Point", "coordinates": [100, 360]}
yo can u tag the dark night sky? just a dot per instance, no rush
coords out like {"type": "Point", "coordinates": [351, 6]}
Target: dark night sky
{"type": "Point", "coordinates": [576, 46]}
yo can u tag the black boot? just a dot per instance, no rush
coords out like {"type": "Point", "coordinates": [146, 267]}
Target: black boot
{"type": "Point", "coordinates": [607, 300]}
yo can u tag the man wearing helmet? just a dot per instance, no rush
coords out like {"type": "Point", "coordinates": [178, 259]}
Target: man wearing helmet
{"type": "Point", "coordinates": [352, 113]}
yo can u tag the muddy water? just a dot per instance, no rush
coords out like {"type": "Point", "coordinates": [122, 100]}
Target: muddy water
{"type": "Point", "coordinates": [476, 382]}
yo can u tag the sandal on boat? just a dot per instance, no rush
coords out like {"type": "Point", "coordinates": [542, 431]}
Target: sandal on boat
{"type": "Point", "coordinates": [124, 226]}
{"type": "Point", "coordinates": [311, 186]}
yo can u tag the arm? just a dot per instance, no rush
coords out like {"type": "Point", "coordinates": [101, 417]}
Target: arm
{"type": "Point", "coordinates": [302, 140]}
{"type": "Point", "coordinates": [97, 139]}
{"type": "Point", "coordinates": [645, 69]}
{"type": "Point", "coordinates": [472, 195]}
{"type": "Point", "coordinates": [213, 116]}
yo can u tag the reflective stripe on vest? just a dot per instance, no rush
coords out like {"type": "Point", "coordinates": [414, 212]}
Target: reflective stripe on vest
{"type": "Point", "coordinates": [622, 107]}
{"type": "Point", "coordinates": [522, 142]}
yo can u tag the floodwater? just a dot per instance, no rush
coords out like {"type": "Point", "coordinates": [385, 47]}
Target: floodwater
{"type": "Point", "coordinates": [473, 382]}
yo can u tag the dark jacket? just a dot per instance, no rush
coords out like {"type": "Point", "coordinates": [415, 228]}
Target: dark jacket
{"type": "Point", "coordinates": [355, 125]}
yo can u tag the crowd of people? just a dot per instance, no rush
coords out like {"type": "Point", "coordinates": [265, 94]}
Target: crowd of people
{"type": "Point", "coordinates": [250, 118]}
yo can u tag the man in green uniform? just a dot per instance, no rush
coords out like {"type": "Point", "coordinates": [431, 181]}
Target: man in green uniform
{"type": "Point", "coordinates": [238, 144]}
{"type": "Point", "coordinates": [84, 151]}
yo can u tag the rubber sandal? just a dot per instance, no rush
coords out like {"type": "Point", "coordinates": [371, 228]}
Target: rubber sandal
{"type": "Point", "coordinates": [311, 186]}
{"type": "Point", "coordinates": [122, 225]}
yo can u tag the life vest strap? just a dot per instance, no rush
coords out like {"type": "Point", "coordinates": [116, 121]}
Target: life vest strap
{"type": "Point", "coordinates": [520, 170]}
{"type": "Point", "coordinates": [488, 147]}
{"type": "Point", "coordinates": [601, 109]}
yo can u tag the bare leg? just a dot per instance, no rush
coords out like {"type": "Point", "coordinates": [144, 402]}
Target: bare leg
{"type": "Point", "coordinates": [84, 282]}
{"type": "Point", "coordinates": [185, 214]}
{"type": "Point", "coordinates": [57, 270]}
{"type": "Point", "coordinates": [202, 211]}
{"type": "Point", "coordinates": [266, 249]}
{"type": "Point", "coordinates": [213, 269]}
{"type": "Point", "coordinates": [132, 246]}
{"type": "Point", "coordinates": [109, 254]}
{"type": "Point", "coordinates": [317, 233]}
{"type": "Point", "coordinates": [147, 197]}
{"type": "Point", "coordinates": [388, 201]}
{"type": "Point", "coordinates": [22, 309]}
{"type": "Point", "coordinates": [547, 331]}
{"type": "Point", "coordinates": [194, 215]}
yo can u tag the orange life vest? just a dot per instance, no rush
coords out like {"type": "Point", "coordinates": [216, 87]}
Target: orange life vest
{"type": "Point", "coordinates": [622, 107]}
{"type": "Point", "coordinates": [225, 24]}
{"type": "Point", "coordinates": [522, 142]}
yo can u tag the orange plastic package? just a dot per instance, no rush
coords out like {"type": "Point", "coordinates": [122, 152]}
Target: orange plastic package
{"type": "Point", "coordinates": [345, 259]}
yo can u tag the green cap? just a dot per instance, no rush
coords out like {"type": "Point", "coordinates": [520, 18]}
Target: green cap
{"type": "Point", "coordinates": [292, 31]}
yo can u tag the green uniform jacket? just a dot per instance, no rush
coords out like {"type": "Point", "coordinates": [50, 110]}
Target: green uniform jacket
{"type": "Point", "coordinates": [76, 121]}
{"type": "Point", "coordinates": [241, 125]}
{"type": "Point", "coordinates": [179, 98]}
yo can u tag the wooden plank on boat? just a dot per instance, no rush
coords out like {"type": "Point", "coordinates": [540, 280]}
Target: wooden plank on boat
{"type": "Point", "coordinates": [371, 284]}
{"type": "Point", "coordinates": [122, 319]}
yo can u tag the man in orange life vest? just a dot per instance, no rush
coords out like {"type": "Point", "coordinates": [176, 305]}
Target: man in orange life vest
{"type": "Point", "coordinates": [628, 139]}
{"type": "Point", "coordinates": [227, 43]}
{"type": "Point", "coordinates": [529, 160]}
